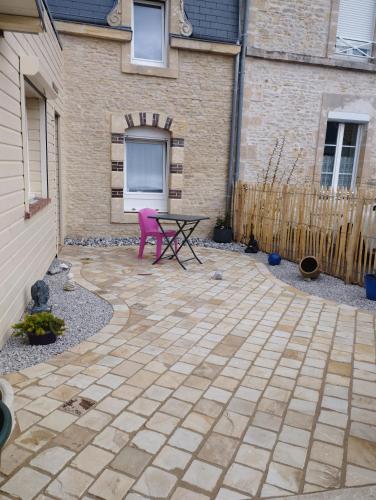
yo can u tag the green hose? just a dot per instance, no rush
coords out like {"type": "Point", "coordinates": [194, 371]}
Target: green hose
{"type": "Point", "coordinates": [5, 423]}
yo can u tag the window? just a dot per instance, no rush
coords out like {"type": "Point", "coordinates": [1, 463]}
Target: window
{"type": "Point", "coordinates": [356, 26]}
{"type": "Point", "coordinates": [36, 137]}
{"type": "Point", "coordinates": [149, 33]}
{"type": "Point", "coordinates": [145, 167]}
{"type": "Point", "coordinates": [341, 153]}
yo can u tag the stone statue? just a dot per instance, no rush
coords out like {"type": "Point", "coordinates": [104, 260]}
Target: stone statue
{"type": "Point", "coordinates": [40, 294]}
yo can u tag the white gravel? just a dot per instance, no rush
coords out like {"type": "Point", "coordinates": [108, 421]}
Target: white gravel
{"type": "Point", "coordinates": [325, 286]}
{"type": "Point", "coordinates": [84, 313]}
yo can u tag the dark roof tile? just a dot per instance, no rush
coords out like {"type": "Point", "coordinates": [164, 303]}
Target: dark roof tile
{"type": "Point", "coordinates": [211, 19]}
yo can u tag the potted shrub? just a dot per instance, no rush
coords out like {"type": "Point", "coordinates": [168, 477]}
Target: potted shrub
{"type": "Point", "coordinates": [41, 328]}
{"type": "Point", "coordinates": [222, 230]}
{"type": "Point", "coordinates": [370, 283]}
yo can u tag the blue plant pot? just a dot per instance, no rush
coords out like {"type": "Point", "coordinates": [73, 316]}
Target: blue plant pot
{"type": "Point", "coordinates": [274, 259]}
{"type": "Point", "coordinates": [370, 283]}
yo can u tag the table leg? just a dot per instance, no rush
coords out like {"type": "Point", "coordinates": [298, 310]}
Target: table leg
{"type": "Point", "coordinates": [169, 245]}
{"type": "Point", "coordinates": [186, 239]}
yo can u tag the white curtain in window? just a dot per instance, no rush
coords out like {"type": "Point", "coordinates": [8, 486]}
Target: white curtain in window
{"type": "Point", "coordinates": [145, 167]}
{"type": "Point", "coordinates": [356, 20]}
{"type": "Point", "coordinates": [148, 31]}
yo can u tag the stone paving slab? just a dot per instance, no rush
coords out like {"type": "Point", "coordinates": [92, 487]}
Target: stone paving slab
{"type": "Point", "coordinates": [199, 389]}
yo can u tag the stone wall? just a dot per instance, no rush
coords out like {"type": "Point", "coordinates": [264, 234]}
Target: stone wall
{"type": "Point", "coordinates": [95, 88]}
{"type": "Point", "coordinates": [300, 27]}
{"type": "Point", "coordinates": [293, 100]}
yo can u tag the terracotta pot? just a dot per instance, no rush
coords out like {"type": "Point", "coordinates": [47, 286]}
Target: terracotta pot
{"type": "Point", "coordinates": [309, 267]}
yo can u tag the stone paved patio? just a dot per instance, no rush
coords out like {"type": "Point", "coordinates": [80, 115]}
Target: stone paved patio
{"type": "Point", "coordinates": [203, 389]}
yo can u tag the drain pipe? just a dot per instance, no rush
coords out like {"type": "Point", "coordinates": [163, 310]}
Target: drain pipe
{"type": "Point", "coordinates": [237, 107]}
{"type": "Point", "coordinates": [244, 42]}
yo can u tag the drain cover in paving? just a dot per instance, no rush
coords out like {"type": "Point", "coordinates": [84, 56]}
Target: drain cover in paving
{"type": "Point", "coordinates": [77, 406]}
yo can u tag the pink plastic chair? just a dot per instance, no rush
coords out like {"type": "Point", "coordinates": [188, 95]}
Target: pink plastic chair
{"type": "Point", "coordinates": [149, 227]}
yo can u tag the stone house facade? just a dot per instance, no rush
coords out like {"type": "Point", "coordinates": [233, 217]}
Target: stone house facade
{"type": "Point", "coordinates": [310, 78]}
{"type": "Point", "coordinates": [119, 107]}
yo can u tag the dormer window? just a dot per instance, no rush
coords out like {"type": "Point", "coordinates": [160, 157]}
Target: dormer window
{"type": "Point", "coordinates": [149, 33]}
{"type": "Point", "coordinates": [356, 27]}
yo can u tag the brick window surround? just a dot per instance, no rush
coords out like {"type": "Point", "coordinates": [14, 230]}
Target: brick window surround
{"type": "Point", "coordinates": [120, 123]}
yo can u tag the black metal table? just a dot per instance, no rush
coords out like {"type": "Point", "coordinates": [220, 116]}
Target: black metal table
{"type": "Point", "coordinates": [186, 225]}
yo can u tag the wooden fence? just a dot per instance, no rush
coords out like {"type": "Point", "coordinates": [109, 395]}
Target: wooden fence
{"type": "Point", "coordinates": [337, 227]}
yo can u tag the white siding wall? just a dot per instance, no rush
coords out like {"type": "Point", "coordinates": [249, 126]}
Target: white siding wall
{"type": "Point", "coordinates": [26, 246]}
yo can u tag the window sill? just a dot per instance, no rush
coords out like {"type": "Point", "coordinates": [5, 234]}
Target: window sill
{"type": "Point", "coordinates": [170, 71]}
{"type": "Point", "coordinates": [36, 206]}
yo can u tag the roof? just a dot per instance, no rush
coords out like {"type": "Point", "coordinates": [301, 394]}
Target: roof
{"type": "Point", "coordinates": [214, 19]}
{"type": "Point", "coordinates": [211, 19]}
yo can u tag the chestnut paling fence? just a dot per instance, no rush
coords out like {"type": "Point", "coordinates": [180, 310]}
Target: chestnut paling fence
{"type": "Point", "coordinates": [337, 227]}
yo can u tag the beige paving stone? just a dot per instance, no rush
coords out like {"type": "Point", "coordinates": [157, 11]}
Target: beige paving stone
{"type": "Point", "coordinates": [217, 394]}
{"type": "Point", "coordinates": [149, 441]}
{"type": "Point", "coordinates": [155, 483]}
{"type": "Point", "coordinates": [131, 461]}
{"type": "Point", "coordinates": [92, 460]}
{"type": "Point", "coordinates": [143, 406]}
{"type": "Point", "coordinates": [52, 460]}
{"type": "Point", "coordinates": [260, 437]}
{"type": "Point", "coordinates": [231, 424]}
{"type": "Point", "coordinates": [111, 439]}
{"type": "Point", "coordinates": [202, 475]}
{"type": "Point", "coordinates": [243, 478]}
{"type": "Point", "coordinates": [11, 458]}
{"type": "Point", "coordinates": [218, 449]}
{"type": "Point", "coordinates": [128, 422]}
{"type": "Point", "coordinates": [289, 454]}
{"type": "Point", "coordinates": [64, 392]}
{"type": "Point", "coordinates": [43, 406]}
{"type": "Point", "coordinates": [162, 422]}
{"type": "Point", "coordinates": [241, 406]}
{"type": "Point", "coordinates": [198, 422]}
{"type": "Point", "coordinates": [189, 394]}
{"type": "Point", "coordinates": [327, 453]}
{"type": "Point", "coordinates": [267, 421]}
{"type": "Point", "coordinates": [95, 392]}
{"type": "Point", "coordinates": [81, 381]}
{"type": "Point", "coordinates": [185, 439]}
{"type": "Point", "coordinates": [112, 405]}
{"type": "Point", "coordinates": [74, 437]}
{"type": "Point", "coordinates": [111, 485]}
{"type": "Point", "coordinates": [252, 456]}
{"type": "Point", "coordinates": [285, 477]}
{"type": "Point", "coordinates": [94, 420]}
{"type": "Point", "coordinates": [226, 494]}
{"type": "Point", "coordinates": [172, 459]}
{"type": "Point", "coordinates": [35, 438]}
{"type": "Point", "coordinates": [157, 393]}
{"type": "Point", "coordinates": [58, 420]}
{"type": "Point", "coordinates": [295, 436]}
{"type": "Point", "coordinates": [176, 408]}
{"type": "Point", "coordinates": [70, 483]}
{"type": "Point", "coordinates": [329, 434]}
{"type": "Point", "coordinates": [26, 483]}
{"type": "Point", "coordinates": [185, 494]}
{"type": "Point", "coordinates": [323, 475]}
{"type": "Point", "coordinates": [358, 476]}
{"type": "Point", "coordinates": [210, 408]}
{"type": "Point", "coordinates": [361, 452]}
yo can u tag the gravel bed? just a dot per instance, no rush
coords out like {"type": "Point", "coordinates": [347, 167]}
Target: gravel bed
{"type": "Point", "coordinates": [325, 286]}
{"type": "Point", "coordinates": [84, 313]}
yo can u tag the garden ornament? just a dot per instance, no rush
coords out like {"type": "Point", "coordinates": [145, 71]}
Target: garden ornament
{"type": "Point", "coordinates": [40, 294]}
{"type": "Point", "coordinates": [218, 275]}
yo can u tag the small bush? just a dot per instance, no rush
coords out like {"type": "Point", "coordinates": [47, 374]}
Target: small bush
{"type": "Point", "coordinates": [40, 324]}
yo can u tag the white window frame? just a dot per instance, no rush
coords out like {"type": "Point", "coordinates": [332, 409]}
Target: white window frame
{"type": "Point", "coordinates": [338, 152]}
{"type": "Point", "coordinates": [150, 62]}
{"type": "Point", "coordinates": [43, 144]}
{"type": "Point", "coordinates": [159, 201]}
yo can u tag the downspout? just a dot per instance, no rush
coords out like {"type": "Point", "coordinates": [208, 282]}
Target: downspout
{"type": "Point", "coordinates": [244, 43]}
{"type": "Point", "coordinates": [234, 113]}
{"type": "Point", "coordinates": [237, 103]}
